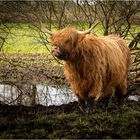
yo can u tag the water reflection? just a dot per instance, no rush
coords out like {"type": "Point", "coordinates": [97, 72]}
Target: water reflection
{"type": "Point", "coordinates": [52, 95]}
{"type": "Point", "coordinates": [40, 94]}
{"type": "Point", "coordinates": [134, 97]}
{"type": "Point", "coordinates": [45, 95]}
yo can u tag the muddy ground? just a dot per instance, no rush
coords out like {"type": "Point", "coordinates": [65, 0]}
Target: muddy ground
{"type": "Point", "coordinates": [67, 121]}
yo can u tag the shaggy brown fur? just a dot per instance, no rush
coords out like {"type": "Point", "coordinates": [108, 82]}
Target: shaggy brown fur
{"type": "Point", "coordinates": [95, 66]}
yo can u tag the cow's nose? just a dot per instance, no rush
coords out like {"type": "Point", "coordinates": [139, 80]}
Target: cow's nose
{"type": "Point", "coordinates": [54, 47]}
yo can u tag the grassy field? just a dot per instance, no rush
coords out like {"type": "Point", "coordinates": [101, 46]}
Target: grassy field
{"type": "Point", "coordinates": [23, 38]}
{"type": "Point", "coordinates": [26, 38]}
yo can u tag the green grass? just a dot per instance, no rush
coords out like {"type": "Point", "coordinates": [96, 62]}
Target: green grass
{"type": "Point", "coordinates": [25, 38]}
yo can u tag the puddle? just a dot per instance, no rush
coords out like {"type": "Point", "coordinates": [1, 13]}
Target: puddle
{"type": "Point", "coordinates": [134, 97]}
{"type": "Point", "coordinates": [45, 95]}
{"type": "Point", "coordinates": [55, 96]}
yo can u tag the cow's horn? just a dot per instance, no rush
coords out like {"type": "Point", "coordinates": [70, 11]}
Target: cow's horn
{"type": "Point", "coordinates": [88, 31]}
{"type": "Point", "coordinates": [44, 29]}
{"type": "Point", "coordinates": [48, 31]}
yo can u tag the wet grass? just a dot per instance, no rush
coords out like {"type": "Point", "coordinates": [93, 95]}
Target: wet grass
{"type": "Point", "coordinates": [68, 122]}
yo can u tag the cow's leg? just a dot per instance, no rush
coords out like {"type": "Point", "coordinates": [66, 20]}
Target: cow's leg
{"type": "Point", "coordinates": [121, 91]}
{"type": "Point", "coordinates": [104, 101]}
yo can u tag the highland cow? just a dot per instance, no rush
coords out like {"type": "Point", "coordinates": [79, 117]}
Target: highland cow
{"type": "Point", "coordinates": [96, 67]}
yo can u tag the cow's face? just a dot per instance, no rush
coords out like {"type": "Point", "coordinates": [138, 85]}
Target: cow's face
{"type": "Point", "coordinates": [63, 43]}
